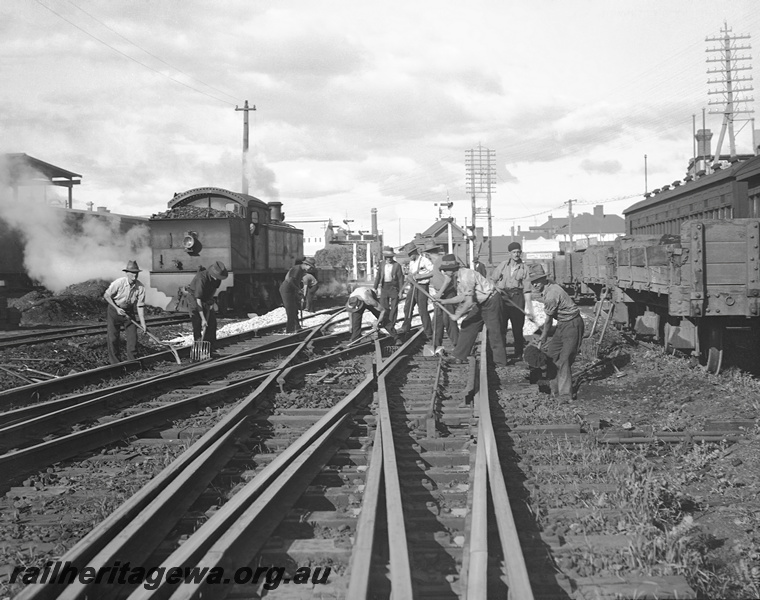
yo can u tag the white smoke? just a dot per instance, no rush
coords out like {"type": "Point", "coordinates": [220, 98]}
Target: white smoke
{"type": "Point", "coordinates": [59, 251]}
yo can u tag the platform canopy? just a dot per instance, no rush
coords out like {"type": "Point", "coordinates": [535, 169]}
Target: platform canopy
{"type": "Point", "coordinates": [24, 170]}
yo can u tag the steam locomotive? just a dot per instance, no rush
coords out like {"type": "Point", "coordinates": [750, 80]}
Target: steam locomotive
{"type": "Point", "coordinates": [204, 225]}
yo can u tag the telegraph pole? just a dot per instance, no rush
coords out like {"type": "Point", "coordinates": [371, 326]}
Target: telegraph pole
{"type": "Point", "coordinates": [245, 110]}
{"type": "Point", "coordinates": [481, 181]}
{"type": "Point", "coordinates": [732, 85]}
{"type": "Point", "coordinates": [570, 221]}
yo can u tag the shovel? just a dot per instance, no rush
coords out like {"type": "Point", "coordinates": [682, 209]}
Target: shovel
{"type": "Point", "coordinates": [201, 350]}
{"type": "Point", "coordinates": [155, 339]}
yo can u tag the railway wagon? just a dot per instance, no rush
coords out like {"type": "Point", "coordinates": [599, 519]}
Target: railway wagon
{"type": "Point", "coordinates": [566, 269]}
{"type": "Point", "coordinates": [204, 225]}
{"type": "Point", "coordinates": [728, 193]}
{"type": "Point", "coordinates": [689, 290]}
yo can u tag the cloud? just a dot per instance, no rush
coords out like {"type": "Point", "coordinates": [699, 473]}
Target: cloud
{"type": "Point", "coordinates": [601, 166]}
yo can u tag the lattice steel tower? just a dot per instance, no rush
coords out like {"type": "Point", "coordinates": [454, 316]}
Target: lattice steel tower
{"type": "Point", "coordinates": [481, 182]}
{"type": "Point", "coordinates": [733, 87]}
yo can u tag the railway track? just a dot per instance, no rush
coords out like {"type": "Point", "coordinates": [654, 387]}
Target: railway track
{"type": "Point", "coordinates": [15, 340]}
{"type": "Point", "coordinates": [390, 474]}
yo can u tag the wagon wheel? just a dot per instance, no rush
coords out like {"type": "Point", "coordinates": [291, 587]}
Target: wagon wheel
{"type": "Point", "coordinates": [714, 349]}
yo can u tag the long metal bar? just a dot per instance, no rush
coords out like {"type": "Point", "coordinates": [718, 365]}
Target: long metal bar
{"type": "Point", "coordinates": [517, 571]}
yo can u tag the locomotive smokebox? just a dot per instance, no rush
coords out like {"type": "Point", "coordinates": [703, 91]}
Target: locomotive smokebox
{"type": "Point", "coordinates": [275, 212]}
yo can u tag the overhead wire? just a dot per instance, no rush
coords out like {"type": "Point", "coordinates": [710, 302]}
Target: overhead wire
{"type": "Point", "coordinates": [158, 58]}
{"type": "Point", "coordinates": [125, 55]}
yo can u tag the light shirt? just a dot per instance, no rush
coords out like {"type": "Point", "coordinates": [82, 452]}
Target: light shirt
{"type": "Point", "coordinates": [511, 274]}
{"type": "Point", "coordinates": [421, 265]}
{"type": "Point", "coordinates": [366, 294]}
{"type": "Point", "coordinates": [125, 295]}
{"type": "Point", "coordinates": [388, 272]}
{"type": "Point", "coordinates": [474, 285]}
{"type": "Point", "coordinates": [557, 303]}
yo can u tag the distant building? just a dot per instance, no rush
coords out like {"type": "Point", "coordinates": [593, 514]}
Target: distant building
{"type": "Point", "coordinates": [588, 229]}
{"type": "Point", "coordinates": [439, 233]}
{"type": "Point", "coordinates": [20, 171]}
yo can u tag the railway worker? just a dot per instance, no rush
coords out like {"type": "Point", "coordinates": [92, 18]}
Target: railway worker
{"type": "Point", "coordinates": [420, 271]}
{"type": "Point", "coordinates": [512, 280]}
{"type": "Point", "coordinates": [565, 344]}
{"type": "Point", "coordinates": [310, 285]}
{"type": "Point", "coordinates": [291, 292]}
{"type": "Point", "coordinates": [478, 302]}
{"type": "Point", "coordinates": [478, 266]}
{"type": "Point", "coordinates": [361, 299]}
{"type": "Point", "coordinates": [441, 321]}
{"type": "Point", "coordinates": [389, 282]}
{"type": "Point", "coordinates": [201, 293]}
{"type": "Point", "coordinates": [125, 297]}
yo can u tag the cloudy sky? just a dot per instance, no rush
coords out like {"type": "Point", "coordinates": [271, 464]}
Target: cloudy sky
{"type": "Point", "coordinates": [364, 104]}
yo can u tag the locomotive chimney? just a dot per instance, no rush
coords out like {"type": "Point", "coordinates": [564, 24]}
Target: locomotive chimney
{"type": "Point", "coordinates": [374, 222]}
{"type": "Point", "coordinates": [275, 211]}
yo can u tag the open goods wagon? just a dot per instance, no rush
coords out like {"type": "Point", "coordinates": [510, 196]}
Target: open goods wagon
{"type": "Point", "coordinates": [689, 291]}
{"type": "Point", "coordinates": [205, 225]}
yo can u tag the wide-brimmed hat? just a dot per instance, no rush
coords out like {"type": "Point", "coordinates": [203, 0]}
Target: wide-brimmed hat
{"type": "Point", "coordinates": [218, 270]}
{"type": "Point", "coordinates": [354, 304]}
{"type": "Point", "coordinates": [388, 251]}
{"type": "Point", "coordinates": [431, 246]}
{"type": "Point", "coordinates": [132, 267]}
{"type": "Point", "coordinates": [309, 261]}
{"type": "Point", "coordinates": [412, 249]}
{"type": "Point", "coordinates": [536, 273]}
{"type": "Point", "coordinates": [449, 263]}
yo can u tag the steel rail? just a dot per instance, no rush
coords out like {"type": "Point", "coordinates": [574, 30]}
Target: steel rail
{"type": "Point", "coordinates": [210, 544]}
{"type": "Point", "coordinates": [517, 572]}
{"type": "Point", "coordinates": [248, 534]}
{"type": "Point", "coordinates": [401, 575]}
{"type": "Point", "coordinates": [15, 464]}
{"type": "Point", "coordinates": [192, 551]}
{"type": "Point", "coordinates": [23, 395]}
{"type": "Point", "coordinates": [96, 548]}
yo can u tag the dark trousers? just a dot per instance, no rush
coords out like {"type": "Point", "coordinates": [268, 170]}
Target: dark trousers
{"type": "Point", "coordinates": [562, 350]}
{"type": "Point", "coordinates": [114, 322]}
{"type": "Point", "coordinates": [490, 313]}
{"type": "Point", "coordinates": [515, 316]}
{"type": "Point", "coordinates": [356, 321]}
{"type": "Point", "coordinates": [416, 297]}
{"type": "Point", "coordinates": [292, 303]}
{"type": "Point", "coordinates": [309, 300]}
{"type": "Point", "coordinates": [443, 321]}
{"type": "Point", "coordinates": [195, 319]}
{"type": "Point", "coordinates": [389, 301]}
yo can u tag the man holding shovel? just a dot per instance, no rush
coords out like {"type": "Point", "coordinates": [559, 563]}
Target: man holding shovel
{"type": "Point", "coordinates": [201, 293]}
{"type": "Point", "coordinates": [479, 303]}
{"type": "Point", "coordinates": [512, 280]}
{"type": "Point", "coordinates": [565, 344]}
{"type": "Point", "coordinates": [124, 296]}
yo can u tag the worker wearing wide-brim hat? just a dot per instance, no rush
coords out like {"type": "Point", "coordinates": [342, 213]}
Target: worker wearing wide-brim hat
{"type": "Point", "coordinates": [565, 344]}
{"type": "Point", "coordinates": [201, 292]}
{"type": "Point", "coordinates": [420, 271]}
{"type": "Point", "coordinates": [512, 280]}
{"type": "Point", "coordinates": [389, 282]}
{"type": "Point", "coordinates": [291, 294]}
{"type": "Point", "coordinates": [126, 299]}
{"type": "Point", "coordinates": [479, 303]}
